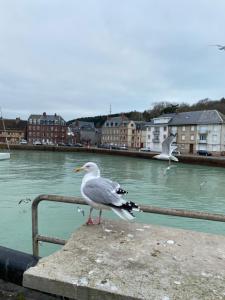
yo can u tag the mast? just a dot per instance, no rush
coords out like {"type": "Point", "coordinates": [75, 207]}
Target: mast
{"type": "Point", "coordinates": [3, 123]}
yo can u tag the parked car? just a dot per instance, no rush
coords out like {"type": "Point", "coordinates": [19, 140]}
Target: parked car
{"type": "Point", "coordinates": [122, 148]}
{"type": "Point", "coordinates": [204, 153]}
{"type": "Point", "coordinates": [78, 145]}
{"type": "Point", "coordinates": [104, 146]}
{"type": "Point", "coordinates": [23, 142]}
{"type": "Point", "coordinates": [147, 149]}
{"type": "Point", "coordinates": [61, 144]}
{"type": "Point", "coordinates": [37, 143]}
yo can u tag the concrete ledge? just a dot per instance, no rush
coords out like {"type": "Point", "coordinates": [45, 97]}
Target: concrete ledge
{"type": "Point", "coordinates": [118, 260]}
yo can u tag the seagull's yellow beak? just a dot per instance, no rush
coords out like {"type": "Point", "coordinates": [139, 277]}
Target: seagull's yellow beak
{"type": "Point", "coordinates": [78, 169]}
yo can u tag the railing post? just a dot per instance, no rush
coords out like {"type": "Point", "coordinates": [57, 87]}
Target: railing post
{"type": "Point", "coordinates": [35, 226]}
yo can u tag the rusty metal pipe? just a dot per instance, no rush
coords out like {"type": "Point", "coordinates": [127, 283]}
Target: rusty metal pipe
{"type": "Point", "coordinates": [76, 200]}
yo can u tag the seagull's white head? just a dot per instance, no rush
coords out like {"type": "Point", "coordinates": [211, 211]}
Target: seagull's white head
{"type": "Point", "coordinates": [89, 167]}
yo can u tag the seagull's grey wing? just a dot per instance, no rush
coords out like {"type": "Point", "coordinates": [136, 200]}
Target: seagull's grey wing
{"type": "Point", "coordinates": [115, 185]}
{"type": "Point", "coordinates": [166, 144]}
{"type": "Point", "coordinates": [102, 191]}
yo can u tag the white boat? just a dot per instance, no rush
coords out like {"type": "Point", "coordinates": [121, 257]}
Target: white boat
{"type": "Point", "coordinates": [4, 155]}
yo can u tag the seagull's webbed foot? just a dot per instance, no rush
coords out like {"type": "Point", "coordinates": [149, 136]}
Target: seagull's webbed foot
{"type": "Point", "coordinates": [97, 221]}
{"type": "Point", "coordinates": [91, 221]}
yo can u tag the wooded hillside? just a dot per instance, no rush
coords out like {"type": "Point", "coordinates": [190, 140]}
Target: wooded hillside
{"type": "Point", "coordinates": [160, 108]}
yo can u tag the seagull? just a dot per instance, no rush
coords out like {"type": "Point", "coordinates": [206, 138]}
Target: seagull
{"type": "Point", "coordinates": [167, 149]}
{"type": "Point", "coordinates": [26, 200]}
{"type": "Point", "coordinates": [220, 47]}
{"type": "Point", "coordinates": [102, 193]}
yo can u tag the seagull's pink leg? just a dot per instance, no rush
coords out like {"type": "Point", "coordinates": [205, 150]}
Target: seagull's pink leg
{"type": "Point", "coordinates": [100, 217]}
{"type": "Point", "coordinates": [89, 220]}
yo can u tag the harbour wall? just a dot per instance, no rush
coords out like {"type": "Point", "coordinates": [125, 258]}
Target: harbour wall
{"type": "Point", "coordinates": [189, 159]}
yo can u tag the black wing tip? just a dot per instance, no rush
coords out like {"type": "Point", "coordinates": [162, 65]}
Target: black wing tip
{"type": "Point", "coordinates": [120, 191]}
{"type": "Point", "coordinates": [130, 207]}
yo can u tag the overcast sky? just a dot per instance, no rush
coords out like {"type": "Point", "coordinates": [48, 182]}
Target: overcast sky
{"type": "Point", "coordinates": [76, 58]}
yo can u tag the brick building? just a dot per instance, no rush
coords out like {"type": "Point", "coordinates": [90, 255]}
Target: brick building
{"type": "Point", "coordinates": [15, 130]}
{"type": "Point", "coordinates": [47, 129]}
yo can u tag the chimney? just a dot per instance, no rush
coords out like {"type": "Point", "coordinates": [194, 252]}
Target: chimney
{"type": "Point", "coordinates": [44, 114]}
{"type": "Point", "coordinates": [17, 120]}
{"type": "Point", "coordinates": [55, 115]}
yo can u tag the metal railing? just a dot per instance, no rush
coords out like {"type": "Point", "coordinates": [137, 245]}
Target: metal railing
{"type": "Point", "coordinates": [36, 237]}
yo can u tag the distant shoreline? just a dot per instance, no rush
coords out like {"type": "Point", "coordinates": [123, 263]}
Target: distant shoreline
{"type": "Point", "coordinates": [215, 161]}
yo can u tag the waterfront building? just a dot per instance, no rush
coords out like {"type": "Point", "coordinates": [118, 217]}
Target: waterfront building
{"type": "Point", "coordinates": [157, 131]}
{"type": "Point", "coordinates": [120, 131]}
{"type": "Point", "coordinates": [46, 129]}
{"type": "Point", "coordinates": [85, 133]}
{"type": "Point", "coordinates": [15, 130]}
{"type": "Point", "coordinates": [139, 134]}
{"type": "Point", "coordinates": [199, 130]}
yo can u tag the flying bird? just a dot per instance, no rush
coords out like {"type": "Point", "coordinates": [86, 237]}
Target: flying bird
{"type": "Point", "coordinates": [167, 149]}
{"type": "Point", "coordinates": [102, 193]}
{"type": "Point", "coordinates": [26, 200]}
{"type": "Point", "coordinates": [220, 47]}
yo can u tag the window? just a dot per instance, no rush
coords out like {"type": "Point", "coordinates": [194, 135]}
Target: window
{"type": "Point", "coordinates": [202, 137]}
{"type": "Point", "coordinates": [192, 137]}
{"type": "Point", "coordinates": [183, 128]}
{"type": "Point", "coordinates": [164, 128]}
{"type": "Point", "coordinates": [192, 128]}
{"type": "Point", "coordinates": [183, 137]}
{"type": "Point", "coordinates": [149, 136]}
{"type": "Point", "coordinates": [164, 136]}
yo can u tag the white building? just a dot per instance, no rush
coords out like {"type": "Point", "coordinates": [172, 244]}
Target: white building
{"type": "Point", "coordinates": [200, 130]}
{"type": "Point", "coordinates": [157, 131]}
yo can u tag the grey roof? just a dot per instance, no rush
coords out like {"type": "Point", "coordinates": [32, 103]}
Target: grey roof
{"type": "Point", "coordinates": [197, 117]}
{"type": "Point", "coordinates": [46, 117]}
{"type": "Point", "coordinates": [166, 116]}
{"type": "Point", "coordinates": [116, 121]}
{"type": "Point", "coordinates": [82, 124]}
{"type": "Point", "coordinates": [140, 124]}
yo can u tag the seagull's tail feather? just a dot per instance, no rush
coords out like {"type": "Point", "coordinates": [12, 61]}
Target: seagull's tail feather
{"type": "Point", "coordinates": [125, 210]}
{"type": "Point", "coordinates": [123, 214]}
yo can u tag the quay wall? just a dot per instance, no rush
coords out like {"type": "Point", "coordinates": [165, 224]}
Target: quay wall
{"type": "Point", "coordinates": [189, 159]}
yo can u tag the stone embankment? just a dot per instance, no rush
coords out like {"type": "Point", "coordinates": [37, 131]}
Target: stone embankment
{"type": "Point", "coordinates": [217, 161]}
{"type": "Point", "coordinates": [119, 261]}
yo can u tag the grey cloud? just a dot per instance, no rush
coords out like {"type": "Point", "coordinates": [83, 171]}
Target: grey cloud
{"type": "Point", "coordinates": [77, 57]}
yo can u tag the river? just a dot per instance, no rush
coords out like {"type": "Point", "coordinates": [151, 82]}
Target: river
{"type": "Point", "coordinates": [30, 173]}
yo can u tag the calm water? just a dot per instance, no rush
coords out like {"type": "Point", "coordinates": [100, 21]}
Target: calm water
{"type": "Point", "coordinates": [30, 173]}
